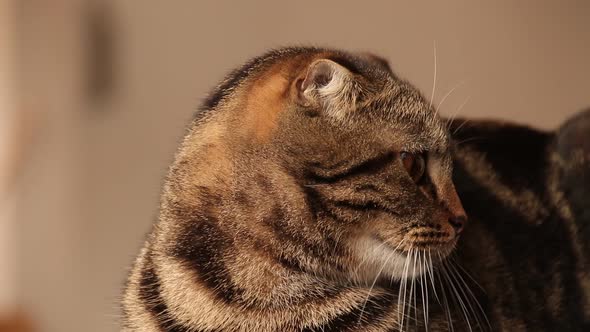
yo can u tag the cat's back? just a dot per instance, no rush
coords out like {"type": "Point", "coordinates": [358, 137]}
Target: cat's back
{"type": "Point", "coordinates": [527, 193]}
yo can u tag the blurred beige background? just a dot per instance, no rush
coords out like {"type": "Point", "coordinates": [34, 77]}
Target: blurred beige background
{"type": "Point", "coordinates": [108, 86]}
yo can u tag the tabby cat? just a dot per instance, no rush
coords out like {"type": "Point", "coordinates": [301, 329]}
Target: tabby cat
{"type": "Point", "coordinates": [315, 191]}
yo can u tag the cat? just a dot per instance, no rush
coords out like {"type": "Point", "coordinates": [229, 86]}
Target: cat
{"type": "Point", "coordinates": [527, 193]}
{"type": "Point", "coordinates": [315, 191]}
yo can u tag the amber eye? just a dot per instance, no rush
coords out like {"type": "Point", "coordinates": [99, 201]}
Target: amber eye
{"type": "Point", "coordinates": [413, 163]}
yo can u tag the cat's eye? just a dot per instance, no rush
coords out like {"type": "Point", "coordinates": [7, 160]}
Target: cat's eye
{"type": "Point", "coordinates": [414, 164]}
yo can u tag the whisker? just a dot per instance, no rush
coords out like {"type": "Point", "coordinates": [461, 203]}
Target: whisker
{"type": "Point", "coordinates": [432, 276]}
{"type": "Point", "coordinates": [460, 291]}
{"type": "Point", "coordinates": [426, 274]}
{"type": "Point", "coordinates": [447, 95]}
{"type": "Point", "coordinates": [452, 118]}
{"type": "Point", "coordinates": [434, 79]}
{"type": "Point", "coordinates": [379, 246]}
{"type": "Point", "coordinates": [359, 265]}
{"type": "Point", "coordinates": [424, 295]}
{"type": "Point", "coordinates": [446, 302]}
{"type": "Point", "coordinates": [405, 283]}
{"type": "Point", "coordinates": [473, 297]}
{"type": "Point", "coordinates": [457, 296]}
{"type": "Point", "coordinates": [468, 140]}
{"type": "Point", "coordinates": [460, 126]}
{"type": "Point", "coordinates": [467, 273]}
{"type": "Point", "coordinates": [413, 289]}
{"type": "Point", "coordinates": [373, 285]}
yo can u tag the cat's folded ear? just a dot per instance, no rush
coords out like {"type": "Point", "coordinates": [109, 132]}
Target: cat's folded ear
{"type": "Point", "coordinates": [329, 86]}
{"type": "Point", "coordinates": [382, 62]}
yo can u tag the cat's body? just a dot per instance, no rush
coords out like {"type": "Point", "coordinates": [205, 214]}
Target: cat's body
{"type": "Point", "coordinates": [527, 193]}
{"type": "Point", "coordinates": [316, 184]}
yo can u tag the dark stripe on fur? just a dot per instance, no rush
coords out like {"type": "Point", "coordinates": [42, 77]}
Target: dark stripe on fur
{"type": "Point", "coordinates": [321, 208]}
{"type": "Point", "coordinates": [364, 206]}
{"type": "Point", "coordinates": [275, 220]}
{"type": "Point", "coordinates": [358, 317]}
{"type": "Point", "coordinates": [149, 294]}
{"type": "Point", "coordinates": [368, 167]}
{"type": "Point", "coordinates": [202, 246]}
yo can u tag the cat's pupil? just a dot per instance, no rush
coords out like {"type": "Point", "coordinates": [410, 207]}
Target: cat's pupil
{"type": "Point", "coordinates": [414, 164]}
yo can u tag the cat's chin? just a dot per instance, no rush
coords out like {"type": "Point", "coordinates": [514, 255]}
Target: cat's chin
{"type": "Point", "coordinates": [380, 260]}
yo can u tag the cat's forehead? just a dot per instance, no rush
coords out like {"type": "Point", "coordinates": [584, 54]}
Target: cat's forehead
{"type": "Point", "coordinates": [421, 134]}
{"type": "Point", "coordinates": [400, 106]}
{"type": "Point", "coordinates": [407, 118]}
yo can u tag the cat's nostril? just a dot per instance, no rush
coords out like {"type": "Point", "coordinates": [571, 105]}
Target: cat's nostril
{"type": "Point", "coordinates": [458, 223]}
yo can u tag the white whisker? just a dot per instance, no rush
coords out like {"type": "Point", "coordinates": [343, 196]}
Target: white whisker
{"type": "Point", "coordinates": [366, 257]}
{"type": "Point", "coordinates": [460, 126]}
{"type": "Point", "coordinates": [464, 295]}
{"type": "Point", "coordinates": [413, 290]}
{"type": "Point", "coordinates": [473, 297]}
{"type": "Point", "coordinates": [404, 283]}
{"type": "Point", "coordinates": [457, 296]}
{"type": "Point", "coordinates": [432, 275]}
{"type": "Point", "coordinates": [446, 302]}
{"type": "Point", "coordinates": [424, 295]}
{"type": "Point", "coordinates": [373, 285]}
{"type": "Point", "coordinates": [447, 95]}
{"type": "Point", "coordinates": [434, 79]}
{"type": "Point", "coordinates": [467, 273]}
{"type": "Point", "coordinates": [454, 116]}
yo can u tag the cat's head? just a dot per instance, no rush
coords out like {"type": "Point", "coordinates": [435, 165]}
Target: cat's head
{"type": "Point", "coordinates": [370, 157]}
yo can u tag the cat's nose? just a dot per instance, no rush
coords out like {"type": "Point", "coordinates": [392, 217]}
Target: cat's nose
{"type": "Point", "coordinates": [458, 222]}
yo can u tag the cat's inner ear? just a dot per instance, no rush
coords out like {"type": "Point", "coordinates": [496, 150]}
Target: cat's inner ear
{"type": "Point", "coordinates": [328, 85]}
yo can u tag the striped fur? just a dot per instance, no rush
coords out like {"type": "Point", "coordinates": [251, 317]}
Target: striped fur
{"type": "Point", "coordinates": [287, 208]}
{"type": "Point", "coordinates": [527, 193]}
